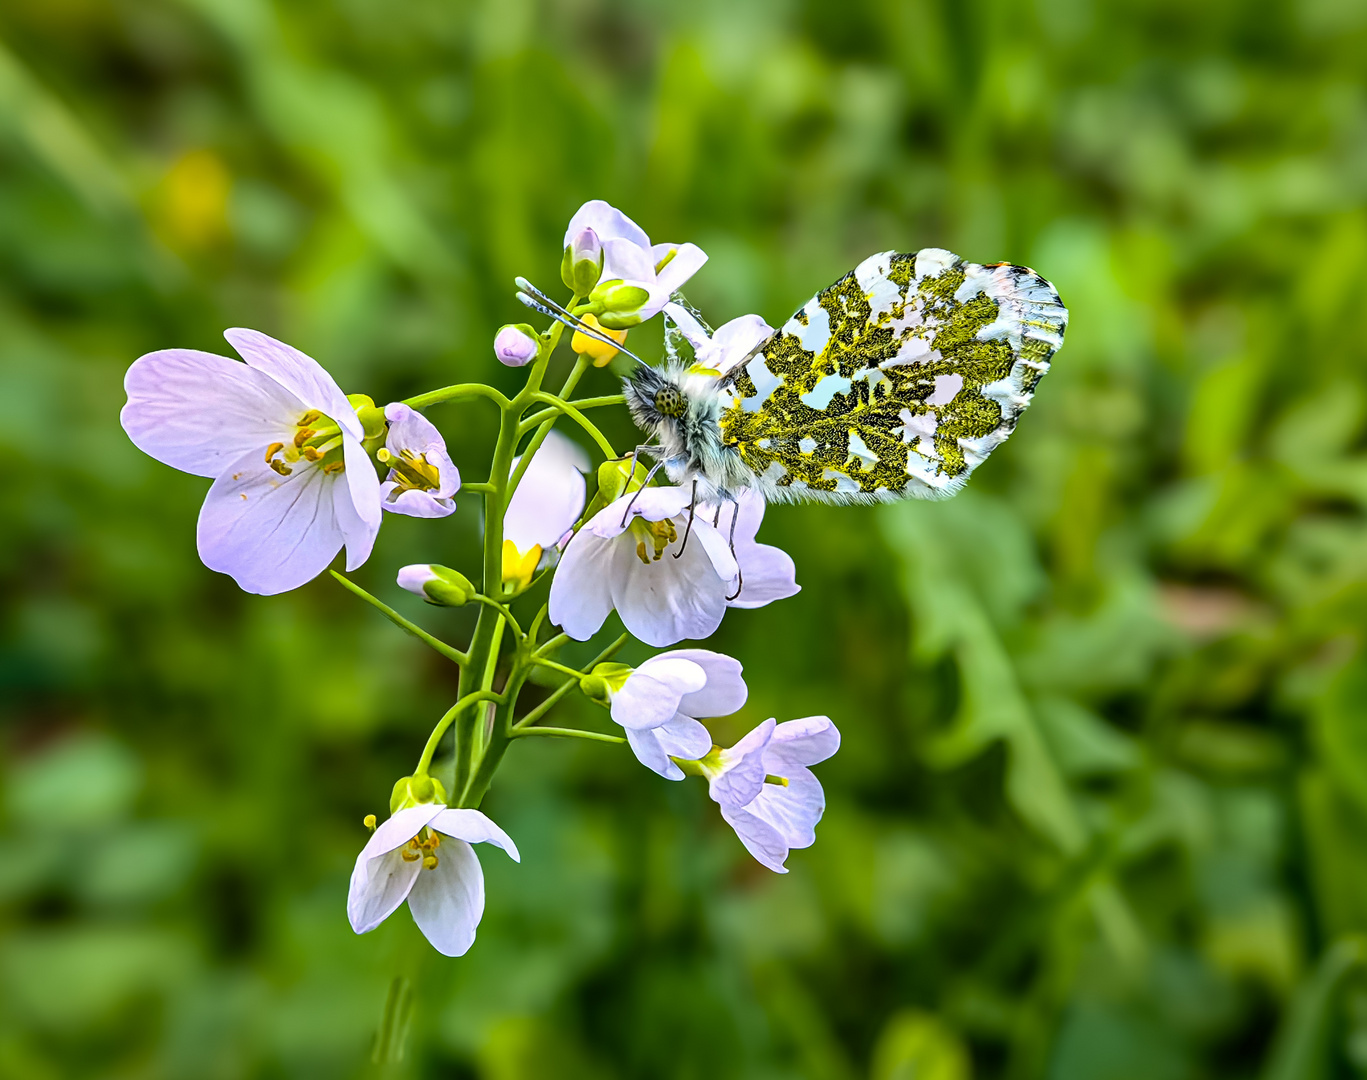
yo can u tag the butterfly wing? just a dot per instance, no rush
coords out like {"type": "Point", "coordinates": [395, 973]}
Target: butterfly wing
{"type": "Point", "coordinates": [895, 382]}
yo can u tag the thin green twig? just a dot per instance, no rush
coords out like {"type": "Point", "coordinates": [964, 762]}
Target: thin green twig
{"type": "Point", "coordinates": [451, 653]}
{"type": "Point", "coordinates": [564, 733]}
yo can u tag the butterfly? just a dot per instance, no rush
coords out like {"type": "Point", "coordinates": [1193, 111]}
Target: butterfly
{"type": "Point", "coordinates": [895, 382]}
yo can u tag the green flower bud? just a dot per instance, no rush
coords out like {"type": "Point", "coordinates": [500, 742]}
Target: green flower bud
{"type": "Point", "coordinates": [618, 304]}
{"type": "Point", "coordinates": [416, 790]}
{"type": "Point", "coordinates": [439, 585]}
{"type": "Point", "coordinates": [369, 414]}
{"type": "Point", "coordinates": [582, 265]}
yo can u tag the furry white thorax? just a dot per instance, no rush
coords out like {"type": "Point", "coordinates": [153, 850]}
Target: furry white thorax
{"type": "Point", "coordinates": [690, 445]}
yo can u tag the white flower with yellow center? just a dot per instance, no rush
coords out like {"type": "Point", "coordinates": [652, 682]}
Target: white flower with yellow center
{"type": "Point", "coordinates": [668, 579]}
{"type": "Point", "coordinates": [765, 789]}
{"type": "Point", "coordinates": [422, 854]}
{"type": "Point", "coordinates": [422, 478]}
{"type": "Point", "coordinates": [659, 703]}
{"type": "Point", "coordinates": [292, 482]}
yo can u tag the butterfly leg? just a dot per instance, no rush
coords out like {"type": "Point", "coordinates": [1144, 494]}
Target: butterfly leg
{"type": "Point", "coordinates": [740, 576]}
{"type": "Point", "coordinates": [649, 476]}
{"type": "Point", "coordinates": [688, 530]}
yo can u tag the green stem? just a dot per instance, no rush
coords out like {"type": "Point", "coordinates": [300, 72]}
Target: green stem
{"type": "Point", "coordinates": [566, 733]}
{"type": "Point", "coordinates": [489, 601]}
{"type": "Point", "coordinates": [425, 762]}
{"type": "Point", "coordinates": [571, 381]}
{"type": "Point", "coordinates": [456, 393]}
{"type": "Point", "coordinates": [564, 688]}
{"type": "Point", "coordinates": [477, 488]}
{"type": "Point", "coordinates": [553, 643]}
{"type": "Point", "coordinates": [581, 404]}
{"type": "Point", "coordinates": [579, 418]}
{"type": "Point", "coordinates": [452, 654]}
{"type": "Point", "coordinates": [556, 667]}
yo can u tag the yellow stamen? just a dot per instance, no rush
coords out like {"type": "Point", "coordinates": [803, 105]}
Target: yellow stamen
{"type": "Point", "coordinates": [272, 450]}
{"type": "Point", "coordinates": [309, 417]}
{"type": "Point", "coordinates": [368, 821]}
{"type": "Point", "coordinates": [334, 467]}
{"type": "Point", "coordinates": [303, 435]}
{"type": "Point", "coordinates": [429, 863]}
{"type": "Point", "coordinates": [281, 468]}
{"type": "Point", "coordinates": [411, 856]}
{"type": "Point", "coordinates": [311, 454]}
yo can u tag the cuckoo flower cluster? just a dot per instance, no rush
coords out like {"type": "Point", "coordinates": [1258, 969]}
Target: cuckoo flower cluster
{"type": "Point", "coordinates": [302, 470]}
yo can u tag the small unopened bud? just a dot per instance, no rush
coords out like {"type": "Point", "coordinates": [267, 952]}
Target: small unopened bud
{"type": "Point", "coordinates": [600, 352]}
{"type": "Point", "coordinates": [515, 345]}
{"type": "Point", "coordinates": [416, 790]}
{"type": "Point", "coordinates": [582, 265]}
{"type": "Point", "coordinates": [604, 681]}
{"type": "Point", "coordinates": [438, 585]}
{"type": "Point", "coordinates": [619, 304]}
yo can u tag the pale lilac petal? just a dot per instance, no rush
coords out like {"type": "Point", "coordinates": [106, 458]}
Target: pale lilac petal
{"type": "Point", "coordinates": [629, 262]}
{"type": "Point", "coordinates": [357, 503]}
{"type": "Point", "coordinates": [650, 696]}
{"type": "Point", "coordinates": [581, 591]}
{"type": "Point", "coordinates": [447, 901]}
{"type": "Point", "coordinates": [760, 838]}
{"type": "Point", "coordinates": [199, 412]}
{"type": "Point", "coordinates": [768, 574]}
{"type": "Point", "coordinates": [652, 503]}
{"type": "Point", "coordinates": [474, 828]}
{"type": "Point", "coordinates": [733, 340]}
{"type": "Point", "coordinates": [689, 327]}
{"type": "Point", "coordinates": [270, 533]}
{"type": "Point", "coordinates": [607, 221]}
{"type": "Point", "coordinates": [801, 742]}
{"type": "Point", "coordinates": [410, 430]}
{"type": "Point", "coordinates": [298, 373]}
{"type": "Point", "coordinates": [378, 886]}
{"type": "Point", "coordinates": [414, 503]}
{"type": "Point", "coordinates": [687, 261]}
{"type": "Point", "coordinates": [645, 744]}
{"type": "Point", "coordinates": [549, 497]}
{"type": "Point", "coordinates": [792, 811]}
{"type": "Point", "coordinates": [743, 769]}
{"type": "Point", "coordinates": [718, 550]}
{"type": "Point", "coordinates": [397, 830]}
{"type": "Point", "coordinates": [684, 738]}
{"type": "Point", "coordinates": [665, 601]}
{"type": "Point", "coordinates": [725, 691]}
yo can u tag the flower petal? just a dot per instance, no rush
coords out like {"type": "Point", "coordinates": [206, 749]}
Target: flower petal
{"type": "Point", "coordinates": [645, 744]}
{"type": "Point", "coordinates": [628, 261]}
{"type": "Point", "coordinates": [669, 600]}
{"type": "Point", "coordinates": [270, 533]}
{"type": "Point", "coordinates": [792, 811]}
{"type": "Point", "coordinates": [650, 696]}
{"type": "Point", "coordinates": [683, 737]}
{"type": "Point", "coordinates": [689, 327]}
{"type": "Point", "coordinates": [801, 742]}
{"type": "Point", "coordinates": [581, 591]}
{"type": "Point", "coordinates": [199, 412]}
{"type": "Point", "coordinates": [447, 901]}
{"type": "Point", "coordinates": [743, 771]}
{"type": "Point", "coordinates": [725, 691]}
{"type": "Point", "coordinates": [474, 828]}
{"type": "Point", "coordinates": [767, 574]}
{"type": "Point", "coordinates": [688, 260]}
{"type": "Point", "coordinates": [549, 497]}
{"type": "Point", "coordinates": [378, 886]}
{"type": "Point", "coordinates": [410, 430]}
{"type": "Point", "coordinates": [297, 372]}
{"type": "Point", "coordinates": [397, 830]}
{"type": "Point", "coordinates": [652, 503]}
{"type": "Point", "coordinates": [414, 503]}
{"type": "Point", "coordinates": [760, 838]}
{"type": "Point", "coordinates": [607, 221]}
{"type": "Point", "coordinates": [357, 503]}
{"type": "Point", "coordinates": [718, 551]}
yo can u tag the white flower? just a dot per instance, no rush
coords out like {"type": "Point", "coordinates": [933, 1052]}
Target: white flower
{"type": "Point", "coordinates": [292, 483]}
{"type": "Point", "coordinates": [423, 855]}
{"type": "Point", "coordinates": [542, 512]}
{"type": "Point", "coordinates": [765, 790]}
{"type": "Point", "coordinates": [630, 259]}
{"type": "Point", "coordinates": [658, 704]}
{"type": "Point", "coordinates": [663, 589]}
{"type": "Point", "coordinates": [729, 343]}
{"type": "Point", "coordinates": [422, 477]}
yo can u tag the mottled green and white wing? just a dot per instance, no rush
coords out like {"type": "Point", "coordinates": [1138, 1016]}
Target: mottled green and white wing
{"type": "Point", "coordinates": [895, 382]}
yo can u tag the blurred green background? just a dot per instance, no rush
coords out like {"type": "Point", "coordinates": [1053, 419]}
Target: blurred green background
{"type": "Point", "coordinates": [1101, 808]}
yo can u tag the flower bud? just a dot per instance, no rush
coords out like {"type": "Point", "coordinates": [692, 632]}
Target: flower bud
{"type": "Point", "coordinates": [416, 790]}
{"type": "Point", "coordinates": [600, 352]}
{"type": "Point", "coordinates": [582, 265]}
{"type": "Point", "coordinates": [516, 344]}
{"type": "Point", "coordinates": [604, 681]}
{"type": "Point", "coordinates": [619, 304]}
{"type": "Point", "coordinates": [438, 585]}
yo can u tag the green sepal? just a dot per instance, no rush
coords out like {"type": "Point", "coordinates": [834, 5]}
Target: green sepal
{"type": "Point", "coordinates": [450, 588]}
{"type": "Point", "coordinates": [580, 275]}
{"type": "Point", "coordinates": [370, 415]}
{"type": "Point", "coordinates": [415, 791]}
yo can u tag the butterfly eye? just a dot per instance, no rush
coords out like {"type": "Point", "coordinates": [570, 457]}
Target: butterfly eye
{"type": "Point", "coordinates": [669, 402]}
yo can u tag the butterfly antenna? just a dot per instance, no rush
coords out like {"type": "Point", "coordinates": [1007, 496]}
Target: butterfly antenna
{"type": "Point", "coordinates": [535, 299]}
